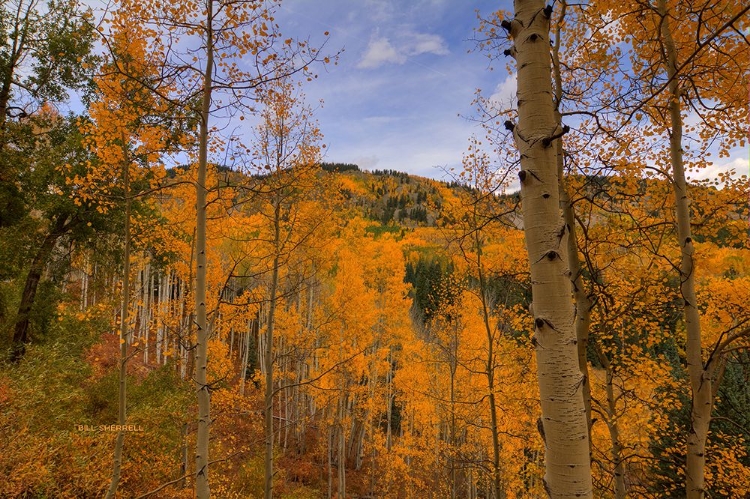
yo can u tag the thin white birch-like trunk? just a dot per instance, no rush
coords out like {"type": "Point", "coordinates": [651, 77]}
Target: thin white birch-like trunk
{"type": "Point", "coordinates": [330, 462]}
{"type": "Point", "coordinates": [85, 283]}
{"type": "Point", "coordinates": [567, 461]}
{"type": "Point", "coordinates": [268, 399]}
{"type": "Point", "coordinates": [202, 487]}
{"type": "Point", "coordinates": [342, 448]}
{"type": "Point", "coordinates": [701, 382]}
{"type": "Point", "coordinates": [122, 387]}
{"type": "Point", "coordinates": [245, 356]}
{"type": "Point", "coordinates": [146, 310]}
{"type": "Point", "coordinates": [184, 328]}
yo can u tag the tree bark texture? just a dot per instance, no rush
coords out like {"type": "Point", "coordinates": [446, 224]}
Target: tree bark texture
{"type": "Point", "coordinates": [202, 487]}
{"type": "Point", "coordinates": [21, 328]}
{"type": "Point", "coordinates": [122, 387]}
{"type": "Point", "coordinates": [700, 376]}
{"type": "Point", "coordinates": [268, 488]}
{"type": "Point", "coordinates": [567, 461]}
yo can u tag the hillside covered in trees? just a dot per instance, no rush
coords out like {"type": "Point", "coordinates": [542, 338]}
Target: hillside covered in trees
{"type": "Point", "coordinates": [187, 311]}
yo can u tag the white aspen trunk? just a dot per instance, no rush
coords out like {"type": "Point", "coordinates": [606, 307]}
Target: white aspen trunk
{"type": "Point", "coordinates": [245, 356]}
{"type": "Point", "coordinates": [231, 341]}
{"type": "Point", "coordinates": [287, 404]}
{"type": "Point", "coordinates": [330, 462]}
{"type": "Point", "coordinates": [567, 461]}
{"type": "Point", "coordinates": [85, 283]}
{"type": "Point", "coordinates": [262, 340]}
{"type": "Point", "coordinates": [700, 377]}
{"type": "Point", "coordinates": [183, 361]}
{"type": "Point", "coordinates": [583, 304]}
{"type": "Point", "coordinates": [613, 426]}
{"type": "Point", "coordinates": [146, 309]}
{"type": "Point", "coordinates": [202, 487]}
{"type": "Point", "coordinates": [165, 298]}
{"type": "Point", "coordinates": [269, 354]}
{"type": "Point", "coordinates": [157, 283]}
{"type": "Point", "coordinates": [115, 310]}
{"type": "Point", "coordinates": [138, 307]}
{"type": "Point", "coordinates": [184, 331]}
{"type": "Point", "coordinates": [125, 304]}
{"type": "Point", "coordinates": [355, 428]}
{"type": "Point", "coordinates": [342, 449]}
{"type": "Point", "coordinates": [93, 295]}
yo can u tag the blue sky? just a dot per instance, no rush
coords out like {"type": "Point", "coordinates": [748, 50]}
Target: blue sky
{"type": "Point", "coordinates": [406, 73]}
{"type": "Point", "coordinates": [408, 70]}
{"type": "Point", "coordinates": [402, 91]}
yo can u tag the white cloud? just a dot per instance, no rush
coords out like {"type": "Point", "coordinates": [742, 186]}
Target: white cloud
{"type": "Point", "coordinates": [737, 163]}
{"type": "Point", "coordinates": [504, 95]}
{"type": "Point", "coordinates": [424, 43]}
{"type": "Point", "coordinates": [366, 162]}
{"type": "Point", "coordinates": [381, 10]}
{"type": "Point", "coordinates": [380, 52]}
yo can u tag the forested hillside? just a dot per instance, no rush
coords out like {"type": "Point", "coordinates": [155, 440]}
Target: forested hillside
{"type": "Point", "coordinates": [186, 310]}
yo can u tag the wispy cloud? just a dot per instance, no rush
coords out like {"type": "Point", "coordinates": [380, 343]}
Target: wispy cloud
{"type": "Point", "coordinates": [424, 43]}
{"type": "Point", "coordinates": [381, 50]}
{"type": "Point", "coordinates": [504, 95]}
{"type": "Point", "coordinates": [405, 77]}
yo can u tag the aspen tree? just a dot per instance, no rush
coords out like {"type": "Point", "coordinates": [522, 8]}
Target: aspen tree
{"type": "Point", "coordinates": [567, 461]}
{"type": "Point", "coordinates": [478, 219]}
{"type": "Point", "coordinates": [127, 149]}
{"type": "Point", "coordinates": [288, 151]}
{"type": "Point", "coordinates": [239, 50]}
{"type": "Point", "coordinates": [687, 57]}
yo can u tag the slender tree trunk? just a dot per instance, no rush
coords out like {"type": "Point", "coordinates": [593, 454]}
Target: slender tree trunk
{"type": "Point", "coordinates": [583, 304]}
{"type": "Point", "coordinates": [269, 353]}
{"type": "Point", "coordinates": [330, 462]}
{"type": "Point", "coordinates": [342, 449]}
{"type": "Point", "coordinates": [146, 319]}
{"type": "Point", "coordinates": [85, 284]}
{"type": "Point", "coordinates": [21, 329]}
{"type": "Point", "coordinates": [700, 377]}
{"type": "Point", "coordinates": [245, 356]}
{"type": "Point", "coordinates": [490, 369]}
{"type": "Point", "coordinates": [614, 433]}
{"type": "Point", "coordinates": [185, 454]}
{"type": "Point", "coordinates": [567, 461]}
{"type": "Point", "coordinates": [452, 437]}
{"type": "Point", "coordinates": [390, 398]}
{"type": "Point", "coordinates": [123, 372]}
{"type": "Point", "coordinates": [202, 487]}
{"type": "Point", "coordinates": [613, 426]}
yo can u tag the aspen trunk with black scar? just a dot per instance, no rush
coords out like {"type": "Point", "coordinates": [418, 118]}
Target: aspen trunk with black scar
{"type": "Point", "coordinates": [567, 461]}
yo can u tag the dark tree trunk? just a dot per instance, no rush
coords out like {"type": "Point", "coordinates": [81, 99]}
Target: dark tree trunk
{"type": "Point", "coordinates": [21, 329]}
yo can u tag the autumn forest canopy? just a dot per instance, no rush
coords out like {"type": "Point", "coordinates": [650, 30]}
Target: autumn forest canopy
{"type": "Point", "coordinates": [194, 302]}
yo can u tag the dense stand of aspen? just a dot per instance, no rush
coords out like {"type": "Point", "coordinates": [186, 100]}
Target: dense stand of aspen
{"type": "Point", "coordinates": [190, 312]}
